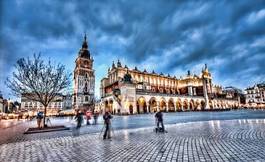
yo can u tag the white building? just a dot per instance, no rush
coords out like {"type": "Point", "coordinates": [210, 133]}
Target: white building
{"type": "Point", "coordinates": [255, 96]}
{"type": "Point", "coordinates": [60, 102]}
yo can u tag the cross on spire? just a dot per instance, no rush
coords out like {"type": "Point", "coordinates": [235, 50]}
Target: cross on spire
{"type": "Point", "coordinates": [85, 42]}
{"type": "Point", "coordinates": [85, 37]}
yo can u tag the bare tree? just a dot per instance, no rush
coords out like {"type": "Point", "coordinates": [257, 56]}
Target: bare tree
{"type": "Point", "coordinates": [38, 80]}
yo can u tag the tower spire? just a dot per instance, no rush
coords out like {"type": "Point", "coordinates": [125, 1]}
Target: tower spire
{"type": "Point", "coordinates": [119, 63]}
{"type": "Point", "coordinates": [84, 45]}
{"type": "Point", "coordinates": [85, 37]}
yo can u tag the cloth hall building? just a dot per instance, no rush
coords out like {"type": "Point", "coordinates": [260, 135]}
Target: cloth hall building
{"type": "Point", "coordinates": [131, 91]}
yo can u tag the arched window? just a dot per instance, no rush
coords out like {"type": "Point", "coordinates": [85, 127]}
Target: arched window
{"type": "Point", "coordinates": [86, 63]}
{"type": "Point", "coordinates": [86, 89]}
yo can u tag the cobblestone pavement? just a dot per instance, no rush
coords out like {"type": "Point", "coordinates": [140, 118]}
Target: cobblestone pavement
{"type": "Point", "coordinates": [228, 140]}
{"type": "Point", "coordinates": [12, 131]}
{"type": "Point", "coordinates": [15, 133]}
{"type": "Point", "coordinates": [10, 123]}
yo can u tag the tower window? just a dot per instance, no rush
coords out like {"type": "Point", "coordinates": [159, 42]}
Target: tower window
{"type": "Point", "coordinates": [86, 89]}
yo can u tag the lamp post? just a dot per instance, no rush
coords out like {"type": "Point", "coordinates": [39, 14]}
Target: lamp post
{"type": "Point", "coordinates": [8, 104]}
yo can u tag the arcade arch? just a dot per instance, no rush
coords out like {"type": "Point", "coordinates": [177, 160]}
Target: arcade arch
{"type": "Point", "coordinates": [191, 103]}
{"type": "Point", "coordinates": [185, 105]}
{"type": "Point", "coordinates": [162, 105]}
{"type": "Point", "coordinates": [141, 105]}
{"type": "Point", "coordinates": [171, 107]}
{"type": "Point", "coordinates": [153, 104]}
{"type": "Point", "coordinates": [179, 105]}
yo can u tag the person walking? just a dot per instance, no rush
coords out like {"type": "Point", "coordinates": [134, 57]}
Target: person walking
{"type": "Point", "coordinates": [159, 121]}
{"type": "Point", "coordinates": [107, 117]}
{"type": "Point", "coordinates": [88, 117]}
{"type": "Point", "coordinates": [79, 119]}
{"type": "Point", "coordinates": [95, 117]}
{"type": "Point", "coordinates": [27, 116]}
{"type": "Point", "coordinates": [39, 119]}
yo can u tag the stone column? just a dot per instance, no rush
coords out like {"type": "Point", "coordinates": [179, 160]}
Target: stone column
{"type": "Point", "coordinates": [148, 107]}
{"type": "Point", "coordinates": [194, 91]}
{"type": "Point", "coordinates": [166, 107]}
{"type": "Point", "coordinates": [190, 93]}
{"type": "Point", "coordinates": [182, 107]}
{"type": "Point", "coordinates": [157, 106]}
{"type": "Point", "coordinates": [205, 94]}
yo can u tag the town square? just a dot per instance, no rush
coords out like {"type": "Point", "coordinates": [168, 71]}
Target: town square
{"type": "Point", "coordinates": [132, 81]}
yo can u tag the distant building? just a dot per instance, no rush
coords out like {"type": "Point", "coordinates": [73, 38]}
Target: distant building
{"type": "Point", "coordinates": [67, 101]}
{"type": "Point", "coordinates": [255, 96]}
{"type": "Point", "coordinates": [234, 93]}
{"type": "Point", "coordinates": [60, 102]}
{"type": "Point", "coordinates": [9, 106]}
{"type": "Point", "coordinates": [1, 103]}
{"type": "Point", "coordinates": [84, 79]}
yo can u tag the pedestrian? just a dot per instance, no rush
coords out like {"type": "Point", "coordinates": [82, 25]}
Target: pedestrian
{"type": "Point", "coordinates": [79, 119]}
{"type": "Point", "coordinates": [88, 117]}
{"type": "Point", "coordinates": [39, 119]}
{"type": "Point", "coordinates": [27, 116]}
{"type": "Point", "coordinates": [95, 117]}
{"type": "Point", "coordinates": [107, 117]}
{"type": "Point", "coordinates": [159, 121]}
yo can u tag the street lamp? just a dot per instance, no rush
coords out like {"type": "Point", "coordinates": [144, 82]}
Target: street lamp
{"type": "Point", "coordinates": [8, 104]}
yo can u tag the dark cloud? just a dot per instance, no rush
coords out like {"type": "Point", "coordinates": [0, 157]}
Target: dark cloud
{"type": "Point", "coordinates": [171, 36]}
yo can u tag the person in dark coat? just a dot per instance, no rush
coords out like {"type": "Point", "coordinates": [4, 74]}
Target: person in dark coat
{"type": "Point", "coordinates": [107, 117]}
{"type": "Point", "coordinates": [159, 121]}
{"type": "Point", "coordinates": [96, 114]}
{"type": "Point", "coordinates": [79, 119]}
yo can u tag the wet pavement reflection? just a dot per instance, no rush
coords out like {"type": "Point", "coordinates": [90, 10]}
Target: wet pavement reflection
{"type": "Point", "coordinates": [15, 133]}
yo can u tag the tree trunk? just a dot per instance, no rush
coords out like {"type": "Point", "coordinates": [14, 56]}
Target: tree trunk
{"type": "Point", "coordinates": [44, 117]}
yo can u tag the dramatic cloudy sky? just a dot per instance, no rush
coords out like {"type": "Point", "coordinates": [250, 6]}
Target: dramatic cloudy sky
{"type": "Point", "coordinates": [167, 36]}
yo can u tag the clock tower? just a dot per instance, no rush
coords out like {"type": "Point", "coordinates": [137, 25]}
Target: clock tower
{"type": "Point", "coordinates": [84, 79]}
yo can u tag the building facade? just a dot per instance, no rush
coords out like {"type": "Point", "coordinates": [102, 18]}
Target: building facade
{"type": "Point", "coordinates": [131, 91]}
{"type": "Point", "coordinates": [67, 101]}
{"type": "Point", "coordinates": [1, 103]}
{"type": "Point", "coordinates": [255, 96]}
{"type": "Point", "coordinates": [56, 105]}
{"type": "Point", "coordinates": [84, 79]}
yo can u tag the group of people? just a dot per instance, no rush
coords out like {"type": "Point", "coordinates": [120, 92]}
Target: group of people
{"type": "Point", "coordinates": [88, 114]}
{"type": "Point", "coordinates": [107, 122]}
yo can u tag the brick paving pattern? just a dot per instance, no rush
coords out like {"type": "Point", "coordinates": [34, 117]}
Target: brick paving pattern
{"type": "Point", "coordinates": [230, 140]}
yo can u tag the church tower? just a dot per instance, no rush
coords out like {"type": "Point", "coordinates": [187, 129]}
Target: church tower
{"type": "Point", "coordinates": [84, 79]}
